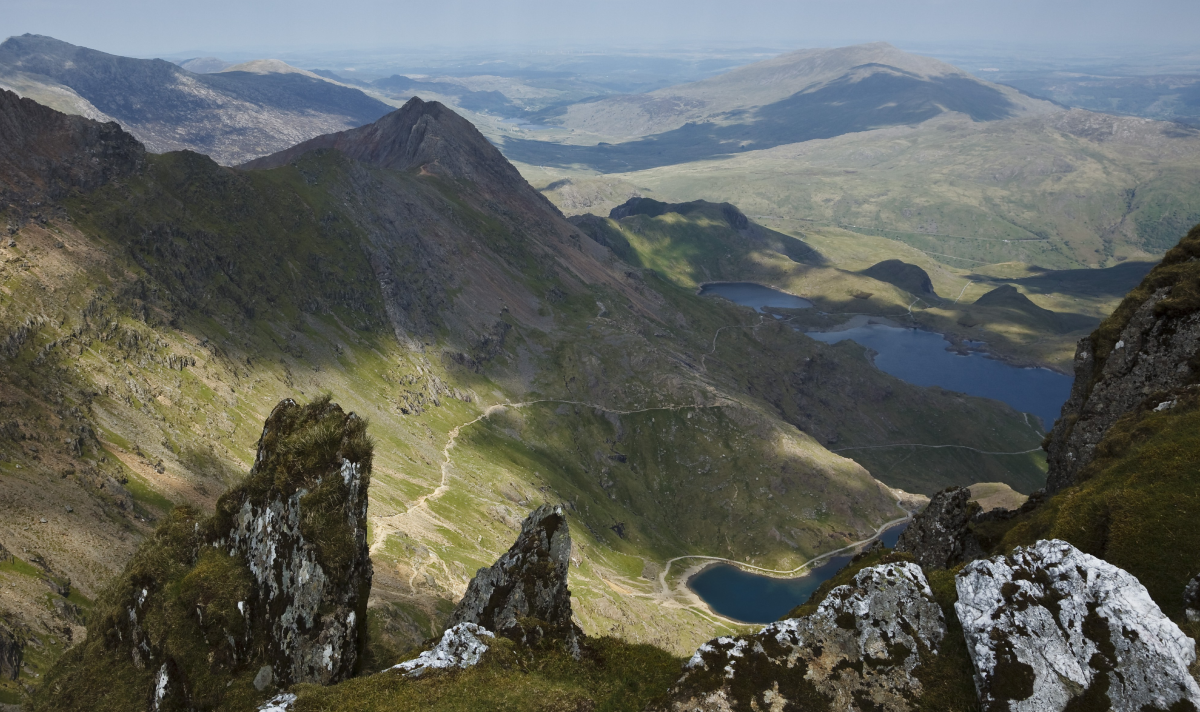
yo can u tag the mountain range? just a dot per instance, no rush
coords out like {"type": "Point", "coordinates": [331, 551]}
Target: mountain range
{"type": "Point", "coordinates": [232, 116]}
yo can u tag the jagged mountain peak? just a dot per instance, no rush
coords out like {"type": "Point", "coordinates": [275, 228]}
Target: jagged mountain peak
{"type": "Point", "coordinates": [421, 134]}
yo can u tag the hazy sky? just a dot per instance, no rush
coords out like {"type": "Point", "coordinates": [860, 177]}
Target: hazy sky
{"type": "Point", "coordinates": [170, 27]}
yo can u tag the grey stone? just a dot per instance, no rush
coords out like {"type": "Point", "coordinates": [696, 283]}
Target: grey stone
{"type": "Point", "coordinates": [864, 642]}
{"type": "Point", "coordinates": [1052, 626]}
{"type": "Point", "coordinates": [1153, 356]}
{"type": "Point", "coordinates": [461, 646]}
{"type": "Point", "coordinates": [264, 678]}
{"type": "Point", "coordinates": [314, 617]}
{"type": "Point", "coordinates": [524, 595]}
{"type": "Point", "coordinates": [939, 536]}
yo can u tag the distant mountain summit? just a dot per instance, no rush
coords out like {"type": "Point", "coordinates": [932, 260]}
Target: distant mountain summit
{"type": "Point", "coordinates": [796, 97]}
{"type": "Point", "coordinates": [232, 116]}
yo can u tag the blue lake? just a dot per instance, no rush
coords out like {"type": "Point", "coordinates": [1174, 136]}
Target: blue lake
{"type": "Point", "coordinates": [752, 598]}
{"type": "Point", "coordinates": [921, 358]}
{"type": "Point", "coordinates": [753, 295]}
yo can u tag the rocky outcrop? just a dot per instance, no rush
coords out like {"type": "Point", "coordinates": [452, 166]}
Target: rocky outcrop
{"type": "Point", "coordinates": [1191, 600]}
{"type": "Point", "coordinates": [1052, 628]}
{"type": "Point", "coordinates": [524, 595]}
{"type": "Point", "coordinates": [858, 651]}
{"type": "Point", "coordinates": [460, 647]}
{"type": "Point", "coordinates": [1142, 353]}
{"type": "Point", "coordinates": [301, 528]}
{"type": "Point", "coordinates": [44, 154]}
{"type": "Point", "coordinates": [268, 592]}
{"type": "Point", "coordinates": [939, 536]}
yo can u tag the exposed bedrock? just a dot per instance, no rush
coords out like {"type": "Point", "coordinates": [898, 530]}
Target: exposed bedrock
{"type": "Point", "coordinates": [858, 651]}
{"type": "Point", "coordinates": [524, 595]}
{"type": "Point", "coordinates": [1051, 628]}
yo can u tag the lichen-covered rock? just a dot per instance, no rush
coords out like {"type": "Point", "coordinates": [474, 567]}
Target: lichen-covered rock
{"type": "Point", "coordinates": [1191, 600]}
{"type": "Point", "coordinates": [858, 651]}
{"type": "Point", "coordinates": [300, 523]}
{"type": "Point", "coordinates": [1052, 626]}
{"type": "Point", "coordinates": [460, 647]}
{"type": "Point", "coordinates": [269, 591]}
{"type": "Point", "coordinates": [939, 536]}
{"type": "Point", "coordinates": [524, 595]}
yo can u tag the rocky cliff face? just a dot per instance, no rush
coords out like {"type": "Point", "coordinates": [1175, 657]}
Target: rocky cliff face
{"type": "Point", "coordinates": [1141, 354]}
{"type": "Point", "coordinates": [44, 154]}
{"type": "Point", "coordinates": [1052, 628]}
{"type": "Point", "coordinates": [268, 592]}
{"type": "Point", "coordinates": [524, 595]}
{"type": "Point", "coordinates": [859, 651]}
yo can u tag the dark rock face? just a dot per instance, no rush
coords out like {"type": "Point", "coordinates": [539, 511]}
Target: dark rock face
{"type": "Point", "coordinates": [44, 154]}
{"type": "Point", "coordinates": [1191, 600]}
{"type": "Point", "coordinates": [12, 651]}
{"type": "Point", "coordinates": [1052, 628]}
{"type": "Point", "coordinates": [1154, 354]}
{"type": "Point", "coordinates": [305, 541]}
{"type": "Point", "coordinates": [939, 536]}
{"type": "Point", "coordinates": [524, 595]}
{"type": "Point", "coordinates": [857, 652]}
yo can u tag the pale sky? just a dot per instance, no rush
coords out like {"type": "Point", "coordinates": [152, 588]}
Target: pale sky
{"type": "Point", "coordinates": [170, 27]}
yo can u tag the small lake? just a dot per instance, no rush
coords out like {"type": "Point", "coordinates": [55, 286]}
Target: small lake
{"type": "Point", "coordinates": [921, 358]}
{"type": "Point", "coordinates": [749, 294]}
{"type": "Point", "coordinates": [752, 598]}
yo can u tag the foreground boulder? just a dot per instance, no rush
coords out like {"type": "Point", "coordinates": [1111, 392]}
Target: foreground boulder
{"type": "Point", "coordinates": [858, 651]}
{"type": "Point", "coordinates": [524, 595]}
{"type": "Point", "coordinates": [460, 647]}
{"type": "Point", "coordinates": [939, 536]}
{"type": "Point", "coordinates": [1051, 628]}
{"type": "Point", "coordinates": [219, 612]}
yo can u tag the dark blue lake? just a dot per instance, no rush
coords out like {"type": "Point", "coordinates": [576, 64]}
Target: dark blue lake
{"type": "Point", "coordinates": [921, 358]}
{"type": "Point", "coordinates": [752, 598]}
{"type": "Point", "coordinates": [749, 294]}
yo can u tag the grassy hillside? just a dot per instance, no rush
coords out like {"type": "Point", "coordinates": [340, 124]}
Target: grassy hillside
{"type": "Point", "coordinates": [1061, 191]}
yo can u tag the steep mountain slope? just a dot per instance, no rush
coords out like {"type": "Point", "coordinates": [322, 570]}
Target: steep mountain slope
{"type": "Point", "coordinates": [504, 358]}
{"type": "Point", "coordinates": [806, 95]}
{"type": "Point", "coordinates": [232, 116]}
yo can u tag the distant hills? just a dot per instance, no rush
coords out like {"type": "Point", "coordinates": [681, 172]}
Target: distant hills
{"type": "Point", "coordinates": [796, 97]}
{"type": "Point", "coordinates": [232, 116]}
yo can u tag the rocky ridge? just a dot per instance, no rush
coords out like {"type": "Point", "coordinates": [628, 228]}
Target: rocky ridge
{"type": "Point", "coordinates": [45, 155]}
{"type": "Point", "coordinates": [231, 116]}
